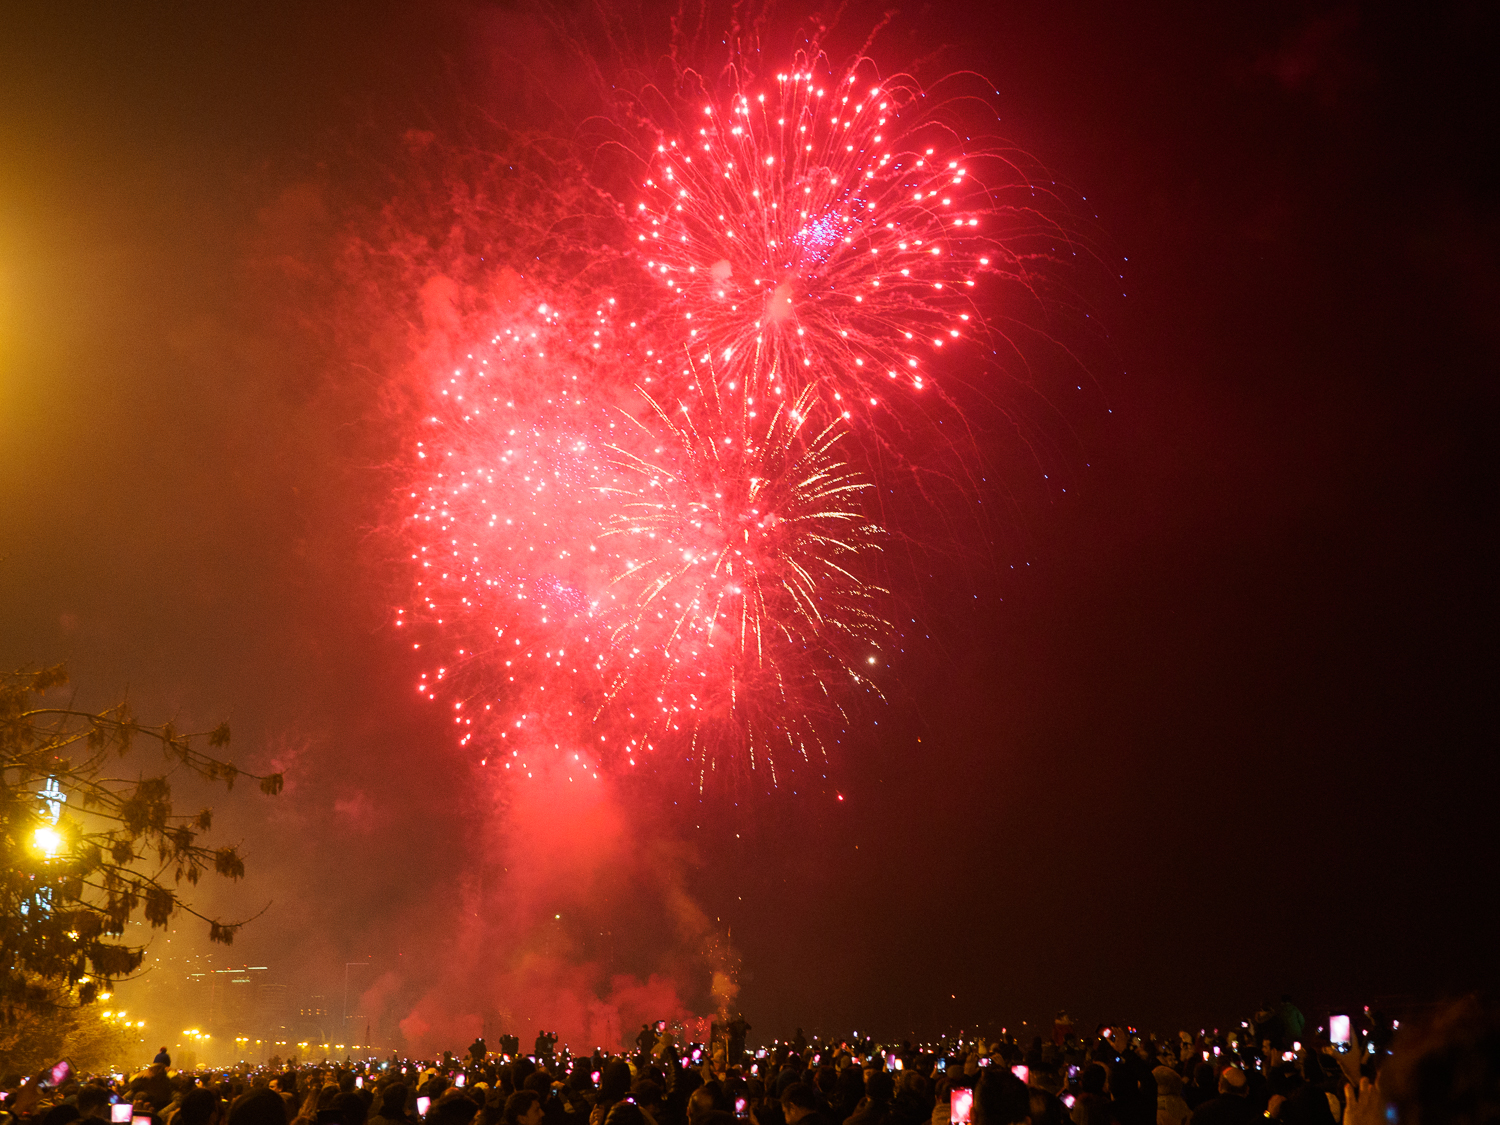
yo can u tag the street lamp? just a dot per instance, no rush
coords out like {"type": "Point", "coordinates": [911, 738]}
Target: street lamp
{"type": "Point", "coordinates": [47, 840]}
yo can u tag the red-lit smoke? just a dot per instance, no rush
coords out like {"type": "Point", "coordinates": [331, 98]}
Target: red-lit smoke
{"type": "Point", "coordinates": [640, 509]}
{"type": "Point", "coordinates": [646, 414]}
{"type": "Point", "coordinates": [569, 917]}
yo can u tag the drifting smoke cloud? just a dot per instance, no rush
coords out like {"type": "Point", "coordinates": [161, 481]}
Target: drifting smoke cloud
{"type": "Point", "coordinates": [572, 917]}
{"type": "Point", "coordinates": [569, 909]}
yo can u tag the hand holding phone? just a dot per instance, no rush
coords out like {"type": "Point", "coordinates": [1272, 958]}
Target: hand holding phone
{"type": "Point", "coordinates": [1339, 1032]}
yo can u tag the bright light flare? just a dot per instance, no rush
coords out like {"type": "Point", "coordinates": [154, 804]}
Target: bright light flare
{"type": "Point", "coordinates": [47, 840]}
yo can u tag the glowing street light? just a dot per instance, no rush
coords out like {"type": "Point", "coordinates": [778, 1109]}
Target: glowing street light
{"type": "Point", "coordinates": [47, 840]}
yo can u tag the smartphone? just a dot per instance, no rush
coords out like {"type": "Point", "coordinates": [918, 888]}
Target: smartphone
{"type": "Point", "coordinates": [1288, 1056]}
{"type": "Point", "coordinates": [120, 1114]}
{"type": "Point", "coordinates": [891, 1060]}
{"type": "Point", "coordinates": [942, 1065]}
{"type": "Point", "coordinates": [594, 1077]}
{"type": "Point", "coordinates": [61, 1071]}
{"type": "Point", "coordinates": [760, 1054]}
{"type": "Point", "coordinates": [1073, 1072]}
{"type": "Point", "coordinates": [741, 1105]}
{"type": "Point", "coordinates": [1021, 1071]}
{"type": "Point", "coordinates": [899, 1064]}
{"type": "Point", "coordinates": [1068, 1100]}
{"type": "Point", "coordinates": [359, 1081]}
{"type": "Point", "coordinates": [961, 1106]}
{"type": "Point", "coordinates": [460, 1079]}
{"type": "Point", "coordinates": [422, 1104]}
{"type": "Point", "coordinates": [985, 1061]}
{"type": "Point", "coordinates": [140, 1121]}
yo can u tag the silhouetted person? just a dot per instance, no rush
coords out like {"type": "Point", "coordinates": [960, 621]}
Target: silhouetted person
{"type": "Point", "coordinates": [875, 1107]}
{"type": "Point", "coordinates": [1001, 1099]}
{"type": "Point", "coordinates": [1202, 1087]}
{"type": "Point", "coordinates": [1093, 1106]}
{"type": "Point", "coordinates": [1232, 1106]}
{"type": "Point", "coordinates": [392, 1106]}
{"type": "Point", "coordinates": [1171, 1107]}
{"type": "Point", "coordinates": [524, 1107]}
{"type": "Point", "coordinates": [259, 1107]}
{"type": "Point", "coordinates": [1444, 1071]}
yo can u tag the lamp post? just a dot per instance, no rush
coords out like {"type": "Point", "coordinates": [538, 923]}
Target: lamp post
{"type": "Point", "coordinates": [344, 1023]}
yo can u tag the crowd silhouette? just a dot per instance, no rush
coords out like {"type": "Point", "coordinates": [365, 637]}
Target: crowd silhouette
{"type": "Point", "coordinates": [1444, 1071]}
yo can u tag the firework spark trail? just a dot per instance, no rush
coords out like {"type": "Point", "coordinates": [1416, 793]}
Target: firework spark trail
{"type": "Point", "coordinates": [643, 536]}
{"type": "Point", "coordinates": [649, 584]}
{"type": "Point", "coordinates": [501, 519]}
{"type": "Point", "coordinates": [826, 226]}
{"type": "Point", "coordinates": [743, 533]}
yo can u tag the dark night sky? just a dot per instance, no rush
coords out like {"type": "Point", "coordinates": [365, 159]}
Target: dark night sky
{"type": "Point", "coordinates": [1227, 730]}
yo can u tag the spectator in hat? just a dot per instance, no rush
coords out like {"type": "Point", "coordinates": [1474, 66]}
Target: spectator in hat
{"type": "Point", "coordinates": [1232, 1106]}
{"type": "Point", "coordinates": [1171, 1108]}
